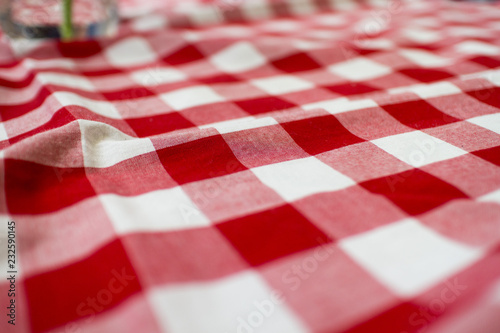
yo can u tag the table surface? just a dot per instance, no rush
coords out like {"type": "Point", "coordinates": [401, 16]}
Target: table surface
{"type": "Point", "coordinates": [257, 166]}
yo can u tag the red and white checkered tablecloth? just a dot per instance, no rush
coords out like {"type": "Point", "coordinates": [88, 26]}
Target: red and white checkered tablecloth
{"type": "Point", "coordinates": [292, 166]}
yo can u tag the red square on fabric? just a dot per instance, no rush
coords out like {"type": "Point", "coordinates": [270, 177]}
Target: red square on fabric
{"type": "Point", "coordinates": [264, 145]}
{"type": "Point", "coordinates": [231, 196]}
{"type": "Point", "coordinates": [59, 119]}
{"type": "Point", "coordinates": [320, 134]}
{"type": "Point", "coordinates": [264, 104]}
{"type": "Point", "coordinates": [467, 136]}
{"type": "Point", "coordinates": [348, 217]}
{"type": "Point", "coordinates": [79, 49]}
{"type": "Point", "coordinates": [418, 114]}
{"type": "Point", "coordinates": [363, 161]}
{"type": "Point", "coordinates": [463, 106]}
{"type": "Point", "coordinates": [213, 113]}
{"type": "Point", "coordinates": [349, 89]}
{"type": "Point", "coordinates": [158, 124]}
{"type": "Point", "coordinates": [327, 288]}
{"type": "Point", "coordinates": [372, 123]}
{"type": "Point", "coordinates": [33, 188]}
{"type": "Point", "coordinates": [486, 61]}
{"type": "Point", "coordinates": [414, 191]}
{"type": "Point", "coordinates": [272, 234]}
{"type": "Point", "coordinates": [425, 74]}
{"type": "Point", "coordinates": [184, 55]}
{"type": "Point", "coordinates": [471, 174]}
{"type": "Point", "coordinates": [491, 155]}
{"type": "Point", "coordinates": [488, 96]}
{"type": "Point", "coordinates": [137, 310]}
{"type": "Point", "coordinates": [471, 222]}
{"type": "Point", "coordinates": [296, 63]}
{"type": "Point", "coordinates": [91, 72]}
{"type": "Point", "coordinates": [82, 289]}
{"type": "Point", "coordinates": [199, 159]}
{"type": "Point", "coordinates": [188, 255]}
{"type": "Point", "coordinates": [14, 111]}
{"type": "Point", "coordinates": [134, 176]}
{"type": "Point", "coordinates": [307, 96]}
{"type": "Point", "coordinates": [401, 318]}
{"type": "Point", "coordinates": [129, 93]}
{"type": "Point", "coordinates": [142, 107]}
{"type": "Point", "coordinates": [217, 78]}
{"type": "Point", "coordinates": [392, 80]}
{"type": "Point", "coordinates": [63, 236]}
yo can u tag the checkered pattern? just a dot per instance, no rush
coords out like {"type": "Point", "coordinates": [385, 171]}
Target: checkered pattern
{"type": "Point", "coordinates": [258, 166]}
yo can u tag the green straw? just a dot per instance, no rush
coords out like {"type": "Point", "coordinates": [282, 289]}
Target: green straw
{"type": "Point", "coordinates": [67, 24]}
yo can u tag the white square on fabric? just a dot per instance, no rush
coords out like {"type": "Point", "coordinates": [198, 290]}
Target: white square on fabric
{"type": "Point", "coordinates": [300, 7]}
{"type": "Point", "coordinates": [425, 58]}
{"type": "Point", "coordinates": [359, 69]}
{"type": "Point", "coordinates": [418, 148]}
{"type": "Point", "coordinates": [493, 76]}
{"type": "Point", "coordinates": [463, 31]}
{"type": "Point", "coordinates": [169, 209]}
{"type": "Point", "coordinates": [149, 22]}
{"type": "Point", "coordinates": [340, 105]}
{"type": "Point", "coordinates": [282, 84]}
{"type": "Point", "coordinates": [299, 178]}
{"type": "Point", "coordinates": [331, 20]}
{"type": "Point", "coordinates": [281, 25]}
{"type": "Point", "coordinates": [408, 257]}
{"type": "Point", "coordinates": [3, 133]}
{"type": "Point", "coordinates": [423, 36]}
{"type": "Point", "coordinates": [240, 124]}
{"type": "Point", "coordinates": [376, 43]}
{"type": "Point", "coordinates": [130, 52]}
{"type": "Point", "coordinates": [104, 145]}
{"type": "Point", "coordinates": [490, 197]}
{"type": "Point", "coordinates": [65, 80]}
{"type": "Point", "coordinates": [344, 5]}
{"type": "Point", "coordinates": [239, 303]}
{"type": "Point", "coordinates": [239, 57]}
{"type": "Point", "coordinates": [156, 76]}
{"type": "Point", "coordinates": [193, 96]}
{"type": "Point", "coordinates": [206, 15]}
{"type": "Point", "coordinates": [489, 121]}
{"type": "Point", "coordinates": [102, 108]}
{"type": "Point", "coordinates": [434, 90]}
{"type": "Point", "coordinates": [256, 9]}
{"type": "Point", "coordinates": [477, 47]}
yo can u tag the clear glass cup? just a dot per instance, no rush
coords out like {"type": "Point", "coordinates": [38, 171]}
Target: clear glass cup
{"type": "Point", "coordinates": [65, 19]}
